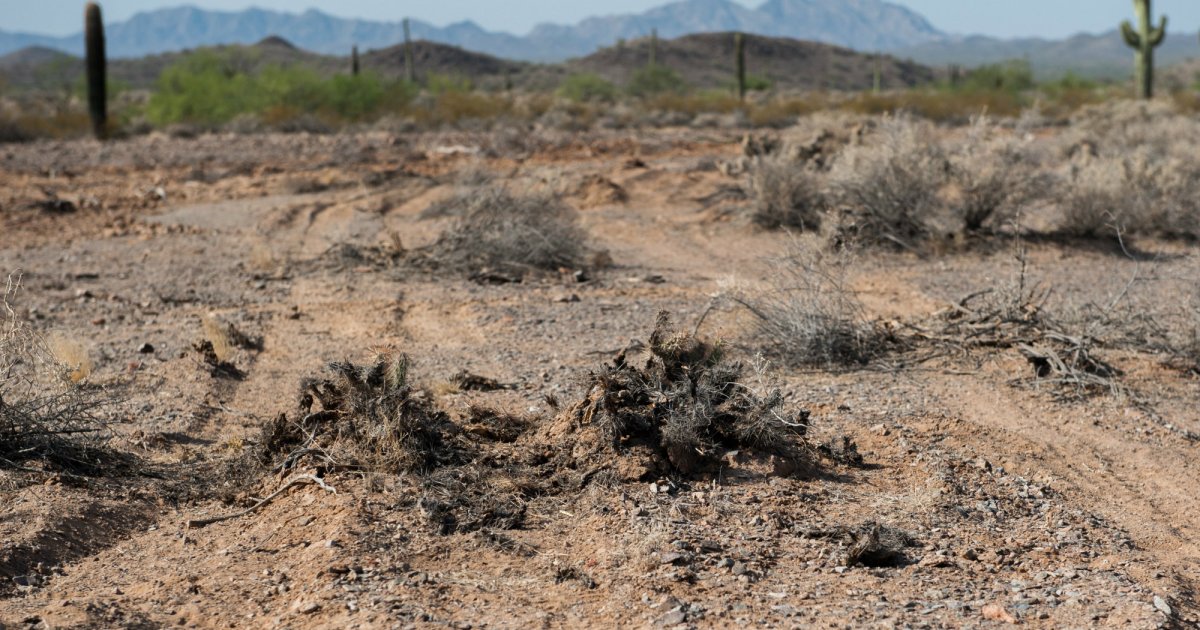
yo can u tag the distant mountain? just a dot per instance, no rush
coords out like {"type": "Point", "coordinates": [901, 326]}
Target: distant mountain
{"type": "Point", "coordinates": [706, 60]}
{"type": "Point", "coordinates": [1101, 56]}
{"type": "Point", "coordinates": [703, 61]}
{"type": "Point", "coordinates": [860, 24]}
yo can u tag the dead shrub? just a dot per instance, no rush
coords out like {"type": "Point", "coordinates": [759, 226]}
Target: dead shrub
{"type": "Point", "coordinates": [679, 411]}
{"type": "Point", "coordinates": [785, 194]}
{"type": "Point", "coordinates": [509, 233]}
{"type": "Point", "coordinates": [1139, 194]}
{"type": "Point", "coordinates": [809, 313]}
{"type": "Point", "coordinates": [996, 177]}
{"type": "Point", "coordinates": [45, 416]}
{"type": "Point", "coordinates": [888, 187]}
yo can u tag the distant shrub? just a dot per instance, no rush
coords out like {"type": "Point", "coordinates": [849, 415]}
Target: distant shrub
{"type": "Point", "coordinates": [996, 177]}
{"type": "Point", "coordinates": [783, 112]}
{"type": "Point", "coordinates": [656, 79]}
{"type": "Point", "coordinates": [442, 83]}
{"type": "Point", "coordinates": [1141, 194]}
{"type": "Point", "coordinates": [210, 88]}
{"type": "Point", "coordinates": [785, 193]}
{"type": "Point", "coordinates": [498, 230]}
{"type": "Point", "coordinates": [810, 316]}
{"type": "Point", "coordinates": [587, 88]}
{"type": "Point", "coordinates": [888, 187]}
{"type": "Point", "coordinates": [1010, 76]}
{"type": "Point", "coordinates": [711, 101]}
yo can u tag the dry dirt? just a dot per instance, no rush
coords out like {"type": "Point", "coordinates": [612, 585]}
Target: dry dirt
{"type": "Point", "coordinates": [1014, 506]}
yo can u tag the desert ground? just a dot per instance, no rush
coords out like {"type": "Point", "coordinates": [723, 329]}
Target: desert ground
{"type": "Point", "coordinates": [196, 286]}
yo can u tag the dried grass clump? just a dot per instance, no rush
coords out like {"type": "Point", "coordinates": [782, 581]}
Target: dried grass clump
{"type": "Point", "coordinates": [810, 315]}
{"type": "Point", "coordinates": [785, 194]}
{"type": "Point", "coordinates": [45, 416]}
{"type": "Point", "coordinates": [685, 407]}
{"type": "Point", "coordinates": [368, 418]}
{"type": "Point", "coordinates": [499, 230]}
{"type": "Point", "coordinates": [468, 183]}
{"type": "Point", "coordinates": [888, 187]}
{"type": "Point", "coordinates": [996, 176]}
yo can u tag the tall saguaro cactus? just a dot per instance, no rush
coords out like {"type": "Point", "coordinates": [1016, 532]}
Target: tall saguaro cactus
{"type": "Point", "coordinates": [96, 69]}
{"type": "Point", "coordinates": [653, 47]}
{"type": "Point", "coordinates": [354, 66]}
{"type": "Point", "coordinates": [1144, 40]}
{"type": "Point", "coordinates": [410, 64]}
{"type": "Point", "coordinates": [739, 46]}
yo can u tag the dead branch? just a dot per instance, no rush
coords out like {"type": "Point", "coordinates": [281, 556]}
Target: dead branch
{"type": "Point", "coordinates": [313, 479]}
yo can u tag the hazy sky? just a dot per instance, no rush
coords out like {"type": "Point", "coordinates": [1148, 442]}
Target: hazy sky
{"type": "Point", "coordinates": [1008, 18]}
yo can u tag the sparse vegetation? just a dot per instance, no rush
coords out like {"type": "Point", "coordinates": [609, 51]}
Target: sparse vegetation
{"type": "Point", "coordinates": [996, 177]}
{"type": "Point", "coordinates": [499, 231]}
{"type": "Point", "coordinates": [888, 187]}
{"type": "Point", "coordinates": [46, 417]}
{"type": "Point", "coordinates": [587, 88]}
{"type": "Point", "coordinates": [809, 314]}
{"type": "Point", "coordinates": [785, 193]}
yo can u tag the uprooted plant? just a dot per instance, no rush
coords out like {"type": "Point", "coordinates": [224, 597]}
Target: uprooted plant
{"type": "Point", "coordinates": [361, 418]}
{"type": "Point", "coordinates": [681, 410]}
{"type": "Point", "coordinates": [46, 418]}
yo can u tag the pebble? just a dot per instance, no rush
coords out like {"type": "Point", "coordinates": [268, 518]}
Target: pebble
{"type": "Point", "coordinates": [1162, 606]}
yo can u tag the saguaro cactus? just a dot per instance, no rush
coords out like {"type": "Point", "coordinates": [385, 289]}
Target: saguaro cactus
{"type": "Point", "coordinates": [1144, 40]}
{"type": "Point", "coordinates": [410, 67]}
{"type": "Point", "coordinates": [653, 47]}
{"type": "Point", "coordinates": [739, 46]}
{"type": "Point", "coordinates": [96, 68]}
{"type": "Point", "coordinates": [354, 68]}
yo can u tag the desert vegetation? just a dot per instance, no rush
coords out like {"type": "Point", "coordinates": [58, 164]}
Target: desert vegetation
{"type": "Point", "coordinates": [637, 344]}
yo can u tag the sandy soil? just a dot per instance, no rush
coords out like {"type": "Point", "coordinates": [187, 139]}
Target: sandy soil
{"type": "Point", "coordinates": [1019, 507]}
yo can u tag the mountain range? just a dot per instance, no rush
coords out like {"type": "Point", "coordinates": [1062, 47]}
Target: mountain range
{"type": "Point", "coordinates": [863, 25]}
{"type": "Point", "coordinates": [867, 25]}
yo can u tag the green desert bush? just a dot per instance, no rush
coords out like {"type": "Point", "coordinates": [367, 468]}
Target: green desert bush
{"type": "Point", "coordinates": [587, 88]}
{"type": "Point", "coordinates": [211, 88]}
{"type": "Point", "coordinates": [655, 79]}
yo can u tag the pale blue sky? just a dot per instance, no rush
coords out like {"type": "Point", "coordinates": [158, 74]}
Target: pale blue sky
{"type": "Point", "coordinates": [1008, 18]}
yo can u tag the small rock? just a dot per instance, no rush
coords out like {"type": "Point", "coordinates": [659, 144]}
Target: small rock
{"type": "Point", "coordinates": [146, 349]}
{"type": "Point", "coordinates": [672, 618]}
{"type": "Point", "coordinates": [740, 568]}
{"type": "Point", "coordinates": [672, 557]}
{"type": "Point", "coordinates": [306, 608]}
{"type": "Point", "coordinates": [993, 612]}
{"type": "Point", "coordinates": [567, 299]}
{"type": "Point", "coordinates": [1162, 606]}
